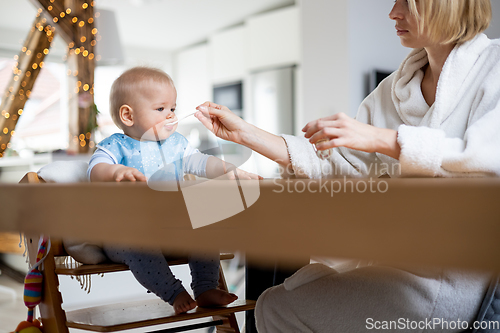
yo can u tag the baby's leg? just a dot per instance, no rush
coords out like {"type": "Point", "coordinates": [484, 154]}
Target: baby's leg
{"type": "Point", "coordinates": [152, 271]}
{"type": "Point", "coordinates": [205, 274]}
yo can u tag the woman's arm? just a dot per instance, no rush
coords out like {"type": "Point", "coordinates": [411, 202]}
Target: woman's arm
{"type": "Point", "coordinates": [226, 125]}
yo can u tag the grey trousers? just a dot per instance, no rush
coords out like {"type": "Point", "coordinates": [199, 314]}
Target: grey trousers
{"type": "Point", "coordinates": [151, 269]}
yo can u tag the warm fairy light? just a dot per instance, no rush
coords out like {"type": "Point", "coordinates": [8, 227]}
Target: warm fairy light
{"type": "Point", "coordinates": [40, 10]}
{"type": "Point", "coordinates": [86, 87]}
{"type": "Point", "coordinates": [92, 3]}
{"type": "Point", "coordinates": [79, 84]}
{"type": "Point", "coordinates": [14, 117]}
{"type": "Point", "coordinates": [44, 20]}
{"type": "Point", "coordinates": [51, 1]}
{"type": "Point", "coordinates": [55, 19]}
{"type": "Point", "coordinates": [46, 51]}
{"type": "Point", "coordinates": [5, 130]}
{"type": "Point", "coordinates": [88, 135]}
{"type": "Point", "coordinates": [82, 143]}
{"type": "Point", "coordinates": [81, 137]}
{"type": "Point", "coordinates": [91, 56]}
{"type": "Point", "coordinates": [74, 20]}
{"type": "Point", "coordinates": [81, 24]}
{"type": "Point", "coordinates": [77, 51]}
{"type": "Point", "coordinates": [23, 84]}
{"type": "Point", "coordinates": [28, 73]}
{"type": "Point", "coordinates": [7, 115]}
{"type": "Point", "coordinates": [50, 8]}
{"type": "Point", "coordinates": [94, 31]}
{"type": "Point", "coordinates": [68, 11]}
{"type": "Point", "coordinates": [91, 20]}
{"type": "Point", "coordinates": [93, 43]}
{"type": "Point", "coordinates": [3, 146]}
{"type": "Point", "coordinates": [24, 49]}
{"type": "Point", "coordinates": [34, 66]}
{"type": "Point", "coordinates": [62, 14]}
{"type": "Point", "coordinates": [39, 55]}
{"type": "Point", "coordinates": [71, 45]}
{"type": "Point", "coordinates": [28, 52]}
{"type": "Point", "coordinates": [21, 92]}
{"type": "Point", "coordinates": [17, 77]}
{"type": "Point", "coordinates": [28, 93]}
{"type": "Point", "coordinates": [20, 111]}
{"type": "Point", "coordinates": [41, 64]}
{"type": "Point", "coordinates": [91, 144]}
{"type": "Point", "coordinates": [85, 53]}
{"type": "Point", "coordinates": [83, 39]}
{"type": "Point", "coordinates": [85, 5]}
{"type": "Point", "coordinates": [12, 132]}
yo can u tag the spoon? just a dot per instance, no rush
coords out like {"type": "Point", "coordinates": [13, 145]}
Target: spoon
{"type": "Point", "coordinates": [175, 122]}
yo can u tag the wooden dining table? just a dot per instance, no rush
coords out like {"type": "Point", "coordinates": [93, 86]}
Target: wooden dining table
{"type": "Point", "coordinates": [449, 222]}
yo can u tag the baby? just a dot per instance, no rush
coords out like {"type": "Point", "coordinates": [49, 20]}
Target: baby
{"type": "Point", "coordinates": [142, 104]}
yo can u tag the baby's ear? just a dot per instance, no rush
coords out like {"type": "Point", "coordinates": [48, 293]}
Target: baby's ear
{"type": "Point", "coordinates": [126, 115]}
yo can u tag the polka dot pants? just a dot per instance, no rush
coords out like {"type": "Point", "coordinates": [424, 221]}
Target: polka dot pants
{"type": "Point", "coordinates": [151, 269]}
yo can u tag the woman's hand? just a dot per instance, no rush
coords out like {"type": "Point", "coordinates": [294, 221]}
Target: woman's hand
{"type": "Point", "coordinates": [228, 126]}
{"type": "Point", "coordinates": [341, 130]}
{"type": "Point", "coordinates": [221, 121]}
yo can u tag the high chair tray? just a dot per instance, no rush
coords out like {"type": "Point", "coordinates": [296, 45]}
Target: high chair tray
{"type": "Point", "coordinates": [81, 269]}
{"type": "Point", "coordinates": [111, 318]}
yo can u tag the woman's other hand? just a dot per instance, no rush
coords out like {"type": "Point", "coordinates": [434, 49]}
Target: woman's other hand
{"type": "Point", "coordinates": [341, 130]}
{"type": "Point", "coordinates": [221, 121]}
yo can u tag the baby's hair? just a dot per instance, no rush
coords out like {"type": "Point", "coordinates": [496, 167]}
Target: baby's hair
{"type": "Point", "coordinates": [126, 86]}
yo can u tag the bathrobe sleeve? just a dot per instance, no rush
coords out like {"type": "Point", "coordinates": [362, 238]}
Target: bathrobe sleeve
{"type": "Point", "coordinates": [428, 152]}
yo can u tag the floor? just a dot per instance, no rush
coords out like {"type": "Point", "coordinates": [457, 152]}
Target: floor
{"type": "Point", "coordinates": [104, 291]}
{"type": "Point", "coordinates": [12, 308]}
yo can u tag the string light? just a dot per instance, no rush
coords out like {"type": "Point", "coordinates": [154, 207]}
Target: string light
{"type": "Point", "coordinates": [58, 14]}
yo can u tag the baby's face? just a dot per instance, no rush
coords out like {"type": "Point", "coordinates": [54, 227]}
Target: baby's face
{"type": "Point", "coordinates": [153, 112]}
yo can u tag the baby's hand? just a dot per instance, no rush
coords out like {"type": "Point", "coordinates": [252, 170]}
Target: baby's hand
{"type": "Point", "coordinates": [124, 173]}
{"type": "Point", "coordinates": [242, 175]}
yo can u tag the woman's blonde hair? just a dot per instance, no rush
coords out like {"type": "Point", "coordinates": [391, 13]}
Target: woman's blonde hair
{"type": "Point", "coordinates": [451, 21]}
{"type": "Point", "coordinates": [126, 87]}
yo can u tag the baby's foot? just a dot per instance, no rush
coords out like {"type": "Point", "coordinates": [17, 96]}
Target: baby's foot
{"type": "Point", "coordinates": [215, 297]}
{"type": "Point", "coordinates": [183, 303]}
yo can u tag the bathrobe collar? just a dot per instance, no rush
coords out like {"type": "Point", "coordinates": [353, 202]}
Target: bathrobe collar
{"type": "Point", "coordinates": [407, 94]}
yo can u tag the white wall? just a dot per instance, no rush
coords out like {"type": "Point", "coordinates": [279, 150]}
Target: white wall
{"type": "Point", "coordinates": [373, 44]}
{"type": "Point", "coordinates": [325, 58]}
{"type": "Point", "coordinates": [494, 30]}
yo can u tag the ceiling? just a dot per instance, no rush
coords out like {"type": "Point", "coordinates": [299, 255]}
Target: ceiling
{"type": "Point", "coordinates": [156, 24]}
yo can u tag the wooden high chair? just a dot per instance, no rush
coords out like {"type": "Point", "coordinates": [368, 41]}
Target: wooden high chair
{"type": "Point", "coordinates": [112, 318]}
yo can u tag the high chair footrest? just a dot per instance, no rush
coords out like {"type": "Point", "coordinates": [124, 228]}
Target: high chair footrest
{"type": "Point", "coordinates": [82, 269]}
{"type": "Point", "coordinates": [117, 317]}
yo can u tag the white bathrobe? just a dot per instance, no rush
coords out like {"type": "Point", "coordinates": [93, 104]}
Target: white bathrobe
{"type": "Point", "coordinates": [458, 136]}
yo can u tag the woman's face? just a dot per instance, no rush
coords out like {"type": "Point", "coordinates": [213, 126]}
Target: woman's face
{"type": "Point", "coordinates": [407, 26]}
